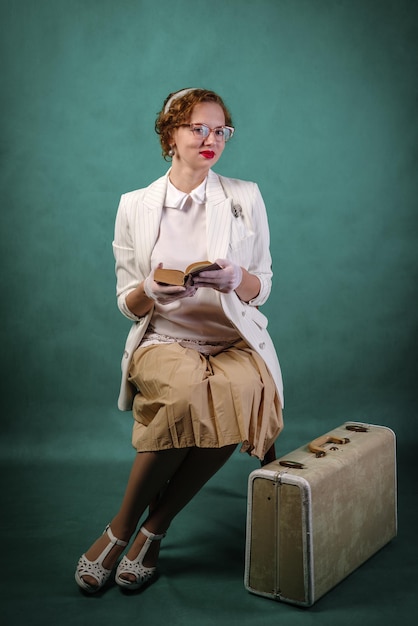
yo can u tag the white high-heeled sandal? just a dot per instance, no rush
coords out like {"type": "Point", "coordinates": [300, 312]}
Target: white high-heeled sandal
{"type": "Point", "coordinates": [95, 568]}
{"type": "Point", "coordinates": [136, 567]}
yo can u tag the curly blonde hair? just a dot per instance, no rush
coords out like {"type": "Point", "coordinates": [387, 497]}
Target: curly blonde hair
{"type": "Point", "coordinates": [180, 112]}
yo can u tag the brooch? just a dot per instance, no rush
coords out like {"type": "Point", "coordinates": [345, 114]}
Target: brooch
{"type": "Point", "coordinates": [236, 210]}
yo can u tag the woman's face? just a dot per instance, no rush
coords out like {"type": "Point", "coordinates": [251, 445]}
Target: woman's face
{"type": "Point", "coordinates": [196, 152]}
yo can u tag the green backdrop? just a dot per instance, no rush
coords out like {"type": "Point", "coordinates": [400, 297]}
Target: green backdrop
{"type": "Point", "coordinates": [324, 99]}
{"type": "Point", "coordinates": [323, 96]}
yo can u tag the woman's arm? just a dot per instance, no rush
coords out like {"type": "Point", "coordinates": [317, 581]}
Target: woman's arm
{"type": "Point", "coordinates": [138, 302]}
{"type": "Point", "coordinates": [131, 298]}
{"type": "Point", "coordinates": [260, 265]}
{"type": "Point", "coordinates": [249, 287]}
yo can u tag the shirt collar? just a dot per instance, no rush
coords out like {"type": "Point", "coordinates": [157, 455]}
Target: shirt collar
{"type": "Point", "coordinates": [176, 199]}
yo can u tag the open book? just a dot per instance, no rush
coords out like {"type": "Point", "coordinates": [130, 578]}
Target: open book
{"type": "Point", "coordinates": [179, 278]}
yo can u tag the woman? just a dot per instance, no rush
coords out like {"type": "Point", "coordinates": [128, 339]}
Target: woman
{"type": "Point", "coordinates": [199, 369]}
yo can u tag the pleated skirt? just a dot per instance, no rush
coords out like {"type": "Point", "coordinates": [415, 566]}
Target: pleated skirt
{"type": "Point", "coordinates": [186, 399]}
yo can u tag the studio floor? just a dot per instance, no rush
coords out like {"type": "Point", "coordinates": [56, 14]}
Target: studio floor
{"type": "Point", "coordinates": [52, 511]}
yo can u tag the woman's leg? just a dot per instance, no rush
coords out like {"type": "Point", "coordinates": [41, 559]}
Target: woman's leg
{"type": "Point", "coordinates": [197, 468]}
{"type": "Point", "coordinates": [149, 474]}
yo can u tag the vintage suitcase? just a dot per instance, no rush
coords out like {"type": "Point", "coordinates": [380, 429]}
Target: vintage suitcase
{"type": "Point", "coordinates": [318, 513]}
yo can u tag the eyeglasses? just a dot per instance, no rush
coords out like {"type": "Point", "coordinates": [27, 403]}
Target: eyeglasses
{"type": "Point", "coordinates": [202, 131]}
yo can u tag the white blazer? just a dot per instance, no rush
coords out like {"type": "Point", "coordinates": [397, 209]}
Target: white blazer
{"type": "Point", "coordinates": [237, 229]}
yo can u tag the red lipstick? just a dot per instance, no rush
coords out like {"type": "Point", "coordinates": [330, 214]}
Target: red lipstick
{"type": "Point", "coordinates": [207, 154]}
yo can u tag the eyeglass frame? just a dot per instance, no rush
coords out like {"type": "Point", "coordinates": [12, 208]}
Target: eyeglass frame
{"type": "Point", "coordinates": [211, 130]}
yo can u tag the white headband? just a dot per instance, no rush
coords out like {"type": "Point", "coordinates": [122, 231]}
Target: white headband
{"type": "Point", "coordinates": [179, 94]}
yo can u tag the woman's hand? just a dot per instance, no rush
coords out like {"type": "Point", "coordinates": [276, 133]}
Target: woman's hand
{"type": "Point", "coordinates": [227, 279]}
{"type": "Point", "coordinates": [165, 294]}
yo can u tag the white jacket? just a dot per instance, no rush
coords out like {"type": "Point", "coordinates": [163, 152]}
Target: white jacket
{"type": "Point", "coordinates": [237, 229]}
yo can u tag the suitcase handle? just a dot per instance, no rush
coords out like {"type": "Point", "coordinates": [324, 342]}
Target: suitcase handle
{"type": "Point", "coordinates": [357, 428]}
{"type": "Point", "coordinates": [316, 445]}
{"type": "Point", "coordinates": [292, 464]}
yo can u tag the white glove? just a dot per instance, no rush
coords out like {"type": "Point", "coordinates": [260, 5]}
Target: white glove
{"type": "Point", "coordinates": [225, 280]}
{"type": "Point", "coordinates": [165, 294]}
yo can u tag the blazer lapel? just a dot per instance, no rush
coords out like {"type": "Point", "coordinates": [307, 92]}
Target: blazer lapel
{"type": "Point", "coordinates": [218, 218]}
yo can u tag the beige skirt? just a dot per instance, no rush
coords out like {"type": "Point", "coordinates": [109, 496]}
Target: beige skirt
{"type": "Point", "coordinates": [188, 399]}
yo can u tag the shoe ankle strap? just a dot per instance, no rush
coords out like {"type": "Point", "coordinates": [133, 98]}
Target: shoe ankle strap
{"type": "Point", "coordinates": [150, 535]}
{"type": "Point", "coordinates": [113, 539]}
